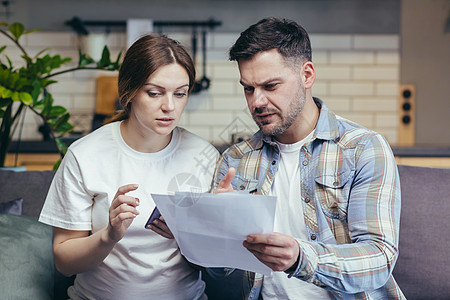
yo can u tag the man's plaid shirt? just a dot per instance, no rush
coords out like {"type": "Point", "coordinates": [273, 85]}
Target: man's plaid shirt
{"type": "Point", "coordinates": [350, 192]}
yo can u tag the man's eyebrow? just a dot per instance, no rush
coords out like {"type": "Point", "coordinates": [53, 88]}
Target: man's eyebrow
{"type": "Point", "coordinates": [242, 83]}
{"type": "Point", "coordinates": [261, 84]}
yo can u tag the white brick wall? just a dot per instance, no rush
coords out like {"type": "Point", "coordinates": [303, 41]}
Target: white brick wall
{"type": "Point", "coordinates": [357, 76]}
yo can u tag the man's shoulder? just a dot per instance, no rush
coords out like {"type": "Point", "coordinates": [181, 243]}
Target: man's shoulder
{"type": "Point", "coordinates": [254, 143]}
{"type": "Point", "coordinates": [344, 132]}
{"type": "Point", "coordinates": [353, 135]}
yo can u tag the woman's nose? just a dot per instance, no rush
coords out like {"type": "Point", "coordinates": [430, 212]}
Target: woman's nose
{"type": "Point", "coordinates": [168, 103]}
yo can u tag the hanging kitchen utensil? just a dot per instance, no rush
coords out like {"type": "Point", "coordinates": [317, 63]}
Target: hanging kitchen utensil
{"type": "Point", "coordinates": [194, 45]}
{"type": "Point", "coordinates": [197, 87]}
{"type": "Point", "coordinates": [204, 82]}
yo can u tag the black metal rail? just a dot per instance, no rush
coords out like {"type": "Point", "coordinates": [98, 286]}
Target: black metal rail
{"type": "Point", "coordinates": [79, 26]}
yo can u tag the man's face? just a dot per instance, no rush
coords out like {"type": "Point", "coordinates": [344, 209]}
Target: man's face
{"type": "Point", "coordinates": [274, 91]}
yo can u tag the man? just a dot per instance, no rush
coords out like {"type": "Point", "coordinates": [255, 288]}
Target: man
{"type": "Point", "coordinates": [336, 182]}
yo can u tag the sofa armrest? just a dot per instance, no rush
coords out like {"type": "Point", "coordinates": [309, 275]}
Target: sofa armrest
{"type": "Point", "coordinates": [422, 266]}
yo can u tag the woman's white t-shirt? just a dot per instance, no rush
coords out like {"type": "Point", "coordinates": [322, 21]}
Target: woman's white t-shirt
{"type": "Point", "coordinates": [143, 265]}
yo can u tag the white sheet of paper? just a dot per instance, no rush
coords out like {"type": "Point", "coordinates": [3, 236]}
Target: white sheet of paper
{"type": "Point", "coordinates": [210, 228]}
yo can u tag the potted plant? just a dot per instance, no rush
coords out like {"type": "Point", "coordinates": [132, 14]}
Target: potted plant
{"type": "Point", "coordinates": [25, 88]}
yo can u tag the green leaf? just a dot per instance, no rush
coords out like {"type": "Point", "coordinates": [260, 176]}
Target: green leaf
{"type": "Point", "coordinates": [47, 82]}
{"type": "Point", "coordinates": [64, 118]}
{"type": "Point", "coordinates": [27, 59]}
{"type": "Point", "coordinates": [25, 98]}
{"type": "Point", "coordinates": [66, 60]}
{"type": "Point", "coordinates": [48, 102]}
{"type": "Point", "coordinates": [16, 29]}
{"type": "Point", "coordinates": [22, 84]}
{"type": "Point", "coordinates": [105, 60]}
{"type": "Point", "coordinates": [39, 105]}
{"type": "Point", "coordinates": [12, 79]}
{"type": "Point", "coordinates": [4, 73]}
{"type": "Point", "coordinates": [3, 24]}
{"type": "Point", "coordinates": [2, 48]}
{"type": "Point", "coordinates": [6, 93]}
{"type": "Point", "coordinates": [62, 125]}
{"type": "Point", "coordinates": [51, 123]}
{"type": "Point", "coordinates": [5, 101]}
{"type": "Point", "coordinates": [116, 64]}
{"type": "Point", "coordinates": [61, 145]}
{"type": "Point", "coordinates": [36, 90]}
{"type": "Point", "coordinates": [2, 113]}
{"type": "Point", "coordinates": [32, 30]}
{"type": "Point", "coordinates": [57, 110]}
{"type": "Point", "coordinates": [15, 96]}
{"type": "Point", "coordinates": [9, 62]}
{"type": "Point", "coordinates": [42, 51]}
{"type": "Point", "coordinates": [2, 89]}
{"type": "Point", "coordinates": [84, 59]}
{"type": "Point", "coordinates": [57, 164]}
{"type": "Point", "coordinates": [118, 57]}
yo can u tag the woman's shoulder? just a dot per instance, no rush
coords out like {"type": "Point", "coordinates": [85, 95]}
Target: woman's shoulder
{"type": "Point", "coordinates": [188, 136]}
{"type": "Point", "coordinates": [100, 137]}
{"type": "Point", "coordinates": [189, 140]}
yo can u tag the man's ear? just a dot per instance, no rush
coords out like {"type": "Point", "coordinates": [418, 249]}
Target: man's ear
{"type": "Point", "coordinates": [308, 74]}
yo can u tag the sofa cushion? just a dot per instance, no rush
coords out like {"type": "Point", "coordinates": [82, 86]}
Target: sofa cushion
{"type": "Point", "coordinates": [26, 264]}
{"type": "Point", "coordinates": [13, 207]}
{"type": "Point", "coordinates": [422, 267]}
{"type": "Point", "coordinates": [31, 186]}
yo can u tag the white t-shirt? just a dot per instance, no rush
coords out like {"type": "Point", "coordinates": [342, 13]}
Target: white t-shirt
{"type": "Point", "coordinates": [143, 265]}
{"type": "Point", "coordinates": [289, 220]}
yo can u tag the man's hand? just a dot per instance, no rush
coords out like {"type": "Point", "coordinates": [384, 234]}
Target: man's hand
{"type": "Point", "coordinates": [225, 184]}
{"type": "Point", "coordinates": [277, 251]}
{"type": "Point", "coordinates": [122, 212]}
{"type": "Point", "coordinates": [161, 228]}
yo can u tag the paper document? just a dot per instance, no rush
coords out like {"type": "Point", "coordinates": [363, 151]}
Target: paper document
{"type": "Point", "coordinates": [210, 228]}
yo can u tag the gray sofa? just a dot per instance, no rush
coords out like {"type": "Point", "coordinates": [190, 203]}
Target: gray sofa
{"type": "Point", "coordinates": [26, 262]}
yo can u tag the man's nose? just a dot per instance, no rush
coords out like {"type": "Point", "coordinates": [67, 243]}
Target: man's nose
{"type": "Point", "coordinates": [260, 99]}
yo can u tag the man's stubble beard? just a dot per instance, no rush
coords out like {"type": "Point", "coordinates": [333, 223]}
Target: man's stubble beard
{"type": "Point", "coordinates": [295, 107]}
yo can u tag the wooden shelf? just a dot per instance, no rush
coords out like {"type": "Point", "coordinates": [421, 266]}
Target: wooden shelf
{"type": "Point", "coordinates": [432, 162]}
{"type": "Point", "coordinates": [33, 161]}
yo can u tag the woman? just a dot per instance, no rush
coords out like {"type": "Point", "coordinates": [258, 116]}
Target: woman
{"type": "Point", "coordinates": [99, 200]}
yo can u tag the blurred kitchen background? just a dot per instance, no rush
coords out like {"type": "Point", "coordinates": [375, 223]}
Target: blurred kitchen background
{"type": "Point", "coordinates": [382, 63]}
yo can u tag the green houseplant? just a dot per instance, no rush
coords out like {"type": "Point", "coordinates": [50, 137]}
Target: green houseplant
{"type": "Point", "coordinates": [25, 88]}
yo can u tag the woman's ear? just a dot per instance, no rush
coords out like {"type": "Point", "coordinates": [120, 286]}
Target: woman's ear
{"type": "Point", "coordinates": [308, 74]}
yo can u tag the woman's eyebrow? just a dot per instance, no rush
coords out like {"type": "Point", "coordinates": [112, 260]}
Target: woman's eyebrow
{"type": "Point", "coordinates": [161, 87]}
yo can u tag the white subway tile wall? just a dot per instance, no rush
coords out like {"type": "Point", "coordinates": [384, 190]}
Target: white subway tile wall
{"type": "Point", "coordinates": [357, 76]}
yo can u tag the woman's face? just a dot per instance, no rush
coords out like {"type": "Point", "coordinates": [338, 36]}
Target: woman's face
{"type": "Point", "coordinates": [157, 107]}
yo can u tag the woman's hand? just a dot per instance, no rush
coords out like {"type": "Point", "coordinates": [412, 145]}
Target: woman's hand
{"type": "Point", "coordinates": [122, 212]}
{"type": "Point", "coordinates": [160, 227]}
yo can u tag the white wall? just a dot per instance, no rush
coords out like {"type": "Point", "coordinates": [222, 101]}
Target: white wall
{"type": "Point", "coordinates": [357, 76]}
